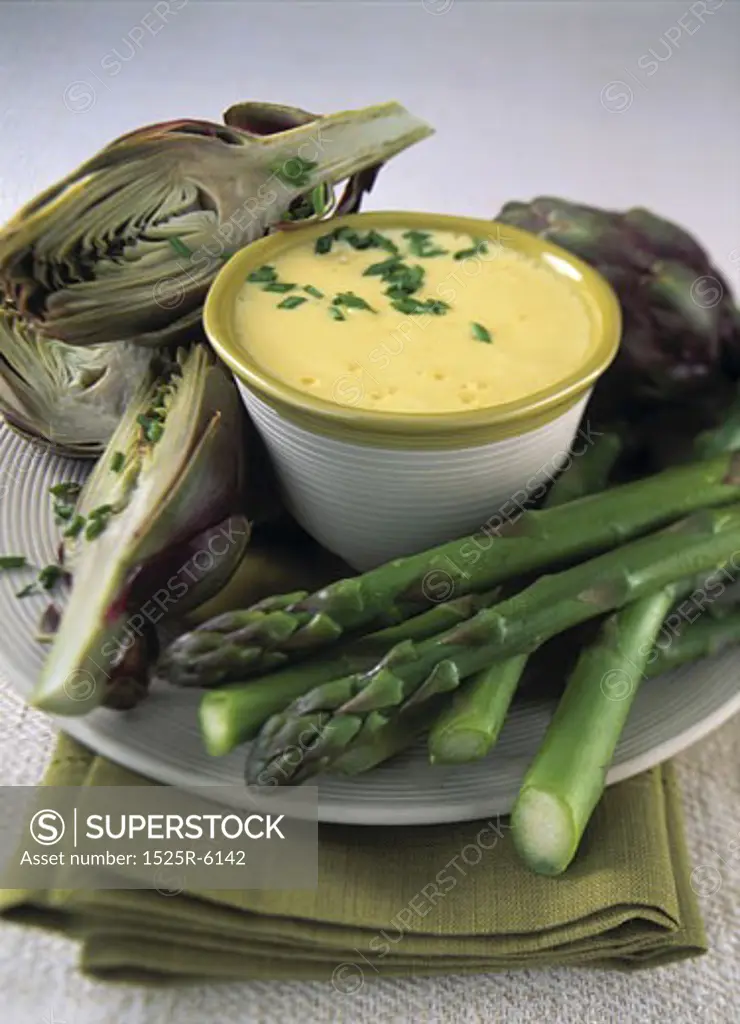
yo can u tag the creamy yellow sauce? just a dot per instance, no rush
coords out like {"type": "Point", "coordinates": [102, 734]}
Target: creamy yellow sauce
{"type": "Point", "coordinates": [505, 327]}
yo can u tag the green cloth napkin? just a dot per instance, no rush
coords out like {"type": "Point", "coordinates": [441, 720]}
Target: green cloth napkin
{"type": "Point", "coordinates": [626, 902]}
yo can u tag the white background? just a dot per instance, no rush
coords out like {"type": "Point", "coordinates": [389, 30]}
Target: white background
{"type": "Point", "coordinates": [527, 99]}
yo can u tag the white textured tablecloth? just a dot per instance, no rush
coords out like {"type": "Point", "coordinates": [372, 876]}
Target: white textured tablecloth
{"type": "Point", "coordinates": [612, 103]}
{"type": "Point", "coordinates": [38, 980]}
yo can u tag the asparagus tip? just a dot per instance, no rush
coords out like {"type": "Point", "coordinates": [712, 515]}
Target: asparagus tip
{"type": "Point", "coordinates": [543, 831]}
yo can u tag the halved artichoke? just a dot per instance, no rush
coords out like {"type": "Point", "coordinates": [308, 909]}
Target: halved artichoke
{"type": "Point", "coordinates": [70, 396]}
{"type": "Point", "coordinates": [126, 246]}
{"type": "Point", "coordinates": [158, 527]}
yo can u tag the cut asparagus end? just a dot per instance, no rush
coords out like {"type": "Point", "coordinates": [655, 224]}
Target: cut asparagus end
{"type": "Point", "coordinates": [460, 747]}
{"type": "Point", "coordinates": [544, 833]}
{"type": "Point", "coordinates": [216, 728]}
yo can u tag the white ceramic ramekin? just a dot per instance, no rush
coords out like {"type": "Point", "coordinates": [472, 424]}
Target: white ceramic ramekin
{"type": "Point", "coordinates": [370, 485]}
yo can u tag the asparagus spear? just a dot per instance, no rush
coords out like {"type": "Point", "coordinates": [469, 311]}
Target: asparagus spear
{"type": "Point", "coordinates": [235, 714]}
{"type": "Point", "coordinates": [588, 473]}
{"type": "Point", "coordinates": [565, 780]}
{"type": "Point", "coordinates": [468, 727]}
{"type": "Point", "coordinates": [392, 735]}
{"type": "Point", "coordinates": [413, 672]}
{"type": "Point", "coordinates": [261, 638]}
{"type": "Point", "coordinates": [710, 635]}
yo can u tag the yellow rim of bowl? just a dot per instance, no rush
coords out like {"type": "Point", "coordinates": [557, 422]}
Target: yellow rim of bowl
{"type": "Point", "coordinates": [413, 430]}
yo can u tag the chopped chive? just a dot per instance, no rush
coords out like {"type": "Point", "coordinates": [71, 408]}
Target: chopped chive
{"type": "Point", "coordinates": [351, 301]}
{"type": "Point", "coordinates": [291, 302]}
{"type": "Point", "coordinates": [50, 575]}
{"type": "Point", "coordinates": [101, 510]}
{"type": "Point", "coordinates": [75, 528]}
{"type": "Point", "coordinates": [278, 286]}
{"type": "Point", "coordinates": [478, 247]}
{"type": "Point", "coordinates": [408, 304]}
{"type": "Point", "coordinates": [421, 244]}
{"type": "Point", "coordinates": [151, 425]}
{"type": "Point", "coordinates": [295, 171]}
{"type": "Point", "coordinates": [68, 489]}
{"type": "Point", "coordinates": [313, 291]}
{"type": "Point", "coordinates": [13, 562]}
{"type": "Point", "coordinates": [383, 268]}
{"type": "Point", "coordinates": [261, 274]}
{"type": "Point", "coordinates": [323, 244]}
{"type": "Point", "coordinates": [47, 578]}
{"type": "Point", "coordinates": [336, 314]}
{"type": "Point", "coordinates": [481, 334]}
{"type": "Point", "coordinates": [379, 241]}
{"type": "Point", "coordinates": [179, 246]}
{"type": "Point", "coordinates": [117, 461]}
{"type": "Point", "coordinates": [321, 197]}
{"type": "Point", "coordinates": [63, 512]}
{"type": "Point", "coordinates": [404, 280]}
{"type": "Point", "coordinates": [97, 521]}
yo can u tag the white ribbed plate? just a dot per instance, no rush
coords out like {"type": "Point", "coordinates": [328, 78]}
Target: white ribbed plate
{"type": "Point", "coordinates": [160, 738]}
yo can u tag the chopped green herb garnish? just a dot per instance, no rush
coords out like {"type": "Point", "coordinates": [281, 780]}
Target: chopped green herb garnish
{"type": "Point", "coordinates": [351, 301]}
{"type": "Point", "coordinates": [13, 562]}
{"type": "Point", "coordinates": [336, 314]}
{"type": "Point", "coordinates": [321, 198]}
{"type": "Point", "coordinates": [151, 425]}
{"type": "Point", "coordinates": [50, 575]}
{"type": "Point", "coordinates": [408, 304]}
{"type": "Point", "coordinates": [383, 268]}
{"type": "Point", "coordinates": [313, 291]}
{"type": "Point", "coordinates": [295, 171]}
{"type": "Point", "coordinates": [75, 527]}
{"type": "Point", "coordinates": [179, 246]}
{"type": "Point", "coordinates": [421, 244]}
{"type": "Point", "coordinates": [481, 334]}
{"type": "Point", "coordinates": [261, 274]}
{"type": "Point", "coordinates": [478, 247]}
{"type": "Point", "coordinates": [97, 521]}
{"type": "Point", "coordinates": [47, 578]}
{"type": "Point", "coordinates": [63, 512]}
{"type": "Point", "coordinates": [315, 204]}
{"type": "Point", "coordinates": [291, 302]}
{"type": "Point", "coordinates": [323, 244]}
{"type": "Point", "coordinates": [117, 461]}
{"type": "Point", "coordinates": [101, 510]}
{"type": "Point", "coordinates": [68, 490]}
{"type": "Point", "coordinates": [379, 241]}
{"type": "Point", "coordinates": [278, 286]}
{"type": "Point", "coordinates": [404, 280]}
